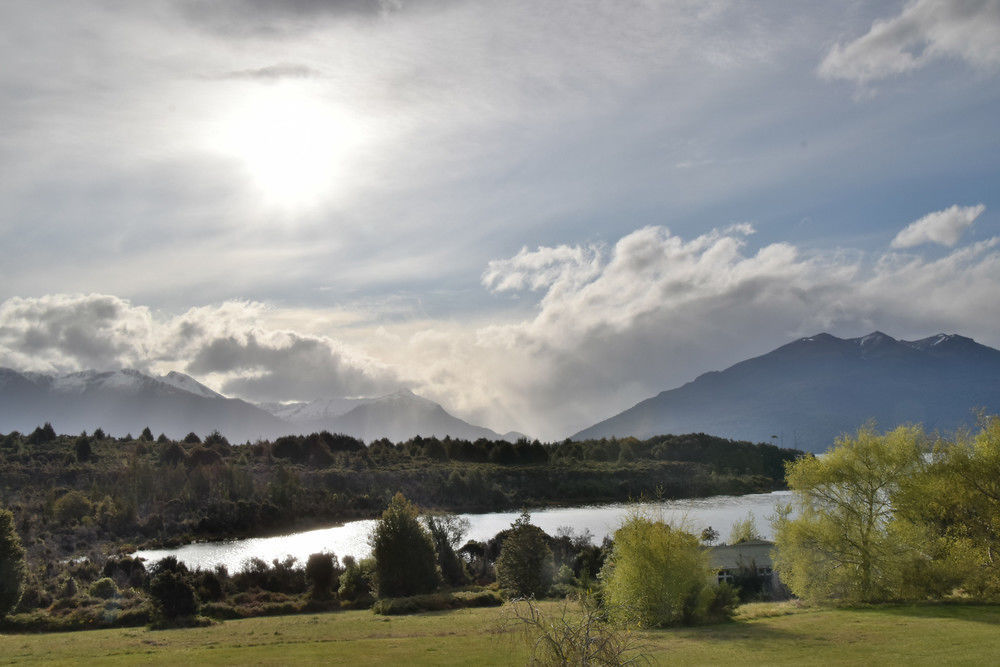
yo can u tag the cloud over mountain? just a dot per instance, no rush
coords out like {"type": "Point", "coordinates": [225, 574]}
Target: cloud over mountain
{"type": "Point", "coordinates": [227, 343]}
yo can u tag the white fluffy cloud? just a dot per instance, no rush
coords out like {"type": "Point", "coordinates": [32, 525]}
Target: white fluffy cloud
{"type": "Point", "coordinates": [656, 310]}
{"type": "Point", "coordinates": [944, 227]}
{"type": "Point", "coordinates": [926, 30]}
{"type": "Point", "coordinates": [612, 324]}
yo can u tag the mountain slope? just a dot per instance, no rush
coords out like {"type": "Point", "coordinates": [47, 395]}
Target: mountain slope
{"type": "Point", "coordinates": [126, 401]}
{"type": "Point", "coordinates": [397, 416]}
{"type": "Point", "coordinates": [812, 390]}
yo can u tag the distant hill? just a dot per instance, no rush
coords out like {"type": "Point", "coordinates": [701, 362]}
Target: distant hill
{"type": "Point", "coordinates": [812, 390]}
{"type": "Point", "coordinates": [127, 401]}
{"type": "Point", "coordinates": [397, 416]}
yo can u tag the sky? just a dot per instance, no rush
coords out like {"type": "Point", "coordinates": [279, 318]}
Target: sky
{"type": "Point", "coordinates": [536, 214]}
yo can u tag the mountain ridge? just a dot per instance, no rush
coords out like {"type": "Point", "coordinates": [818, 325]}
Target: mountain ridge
{"type": "Point", "coordinates": [811, 390]}
{"type": "Point", "coordinates": [128, 400]}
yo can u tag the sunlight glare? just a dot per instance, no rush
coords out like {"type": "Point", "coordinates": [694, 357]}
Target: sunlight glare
{"type": "Point", "coordinates": [294, 146]}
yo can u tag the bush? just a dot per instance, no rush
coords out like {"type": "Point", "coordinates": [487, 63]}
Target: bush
{"type": "Point", "coordinates": [656, 575]}
{"type": "Point", "coordinates": [435, 602]}
{"type": "Point", "coordinates": [354, 584]}
{"type": "Point", "coordinates": [572, 634]}
{"type": "Point", "coordinates": [12, 568]}
{"type": "Point", "coordinates": [405, 560]}
{"type": "Point", "coordinates": [525, 566]}
{"type": "Point", "coordinates": [72, 506]}
{"type": "Point", "coordinates": [321, 572]}
{"type": "Point", "coordinates": [172, 595]}
{"type": "Point", "coordinates": [104, 588]}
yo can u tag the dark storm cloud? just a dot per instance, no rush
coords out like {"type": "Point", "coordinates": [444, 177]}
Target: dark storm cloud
{"type": "Point", "coordinates": [299, 367]}
{"type": "Point", "coordinates": [70, 331]}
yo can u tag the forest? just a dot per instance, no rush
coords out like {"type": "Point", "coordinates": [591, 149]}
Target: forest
{"type": "Point", "coordinates": [80, 504]}
{"type": "Point", "coordinates": [74, 495]}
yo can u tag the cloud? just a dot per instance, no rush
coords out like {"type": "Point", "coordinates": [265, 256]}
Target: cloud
{"type": "Point", "coordinates": [227, 345]}
{"type": "Point", "coordinates": [609, 325]}
{"type": "Point", "coordinates": [655, 310]}
{"type": "Point", "coordinates": [63, 332]}
{"type": "Point", "coordinates": [275, 72]}
{"type": "Point", "coordinates": [289, 367]}
{"type": "Point", "coordinates": [278, 18]}
{"type": "Point", "coordinates": [925, 31]}
{"type": "Point", "coordinates": [943, 227]}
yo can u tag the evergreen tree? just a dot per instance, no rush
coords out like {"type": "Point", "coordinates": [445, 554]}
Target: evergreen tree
{"type": "Point", "coordinates": [405, 560]}
{"type": "Point", "coordinates": [12, 568]}
{"type": "Point", "coordinates": [525, 567]}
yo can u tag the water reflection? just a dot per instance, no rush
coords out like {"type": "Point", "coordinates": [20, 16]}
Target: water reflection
{"type": "Point", "coordinates": [720, 512]}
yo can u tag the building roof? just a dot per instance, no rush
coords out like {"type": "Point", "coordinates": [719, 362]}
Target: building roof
{"type": "Point", "coordinates": [731, 556]}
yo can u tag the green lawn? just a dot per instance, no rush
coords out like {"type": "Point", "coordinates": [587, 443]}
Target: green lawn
{"type": "Point", "coordinates": [763, 634]}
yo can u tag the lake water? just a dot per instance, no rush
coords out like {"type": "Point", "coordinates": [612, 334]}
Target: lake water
{"type": "Point", "coordinates": [351, 538]}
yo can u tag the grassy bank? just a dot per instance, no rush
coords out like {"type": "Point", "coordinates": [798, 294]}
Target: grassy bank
{"type": "Point", "coordinates": [770, 634]}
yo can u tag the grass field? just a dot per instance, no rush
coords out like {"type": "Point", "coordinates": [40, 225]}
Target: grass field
{"type": "Point", "coordinates": [762, 634]}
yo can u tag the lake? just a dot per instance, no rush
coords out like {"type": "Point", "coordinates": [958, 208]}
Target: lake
{"type": "Point", "coordinates": [351, 538]}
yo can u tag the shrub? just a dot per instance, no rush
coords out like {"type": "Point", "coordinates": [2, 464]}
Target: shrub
{"type": "Point", "coordinates": [104, 588]}
{"type": "Point", "coordinates": [745, 530]}
{"type": "Point", "coordinates": [83, 449]}
{"type": "Point", "coordinates": [656, 575]}
{"type": "Point", "coordinates": [354, 584]}
{"type": "Point", "coordinates": [574, 634]}
{"type": "Point", "coordinates": [405, 560]}
{"type": "Point", "coordinates": [172, 595]}
{"type": "Point", "coordinates": [321, 572]}
{"type": "Point", "coordinates": [72, 506]}
{"type": "Point", "coordinates": [525, 567]}
{"type": "Point", "coordinates": [12, 567]}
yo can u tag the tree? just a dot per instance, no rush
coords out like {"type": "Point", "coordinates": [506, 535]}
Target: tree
{"type": "Point", "coordinates": [846, 542]}
{"type": "Point", "coordinates": [405, 560]}
{"type": "Point", "coordinates": [83, 448]}
{"type": "Point", "coordinates": [321, 572]}
{"type": "Point", "coordinates": [42, 434]}
{"type": "Point", "coordinates": [12, 567]}
{"type": "Point", "coordinates": [958, 501]}
{"type": "Point", "coordinates": [709, 535]}
{"type": "Point", "coordinates": [447, 531]}
{"type": "Point", "coordinates": [656, 575]}
{"type": "Point", "coordinates": [525, 567]}
{"type": "Point", "coordinates": [745, 530]}
{"type": "Point", "coordinates": [72, 506]}
{"type": "Point", "coordinates": [173, 595]}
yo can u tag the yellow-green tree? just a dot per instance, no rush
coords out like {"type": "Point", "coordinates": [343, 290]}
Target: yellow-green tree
{"type": "Point", "coordinates": [841, 538]}
{"type": "Point", "coordinates": [656, 575]}
{"type": "Point", "coordinates": [958, 501]}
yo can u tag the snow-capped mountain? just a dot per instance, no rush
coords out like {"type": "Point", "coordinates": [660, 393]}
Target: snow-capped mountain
{"type": "Point", "coordinates": [126, 401]}
{"type": "Point", "coordinates": [188, 383]}
{"type": "Point", "coordinates": [811, 390]}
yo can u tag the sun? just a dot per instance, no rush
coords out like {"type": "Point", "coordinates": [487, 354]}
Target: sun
{"type": "Point", "coordinates": [294, 147]}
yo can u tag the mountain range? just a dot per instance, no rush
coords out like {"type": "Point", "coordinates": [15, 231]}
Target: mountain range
{"type": "Point", "coordinates": [126, 401]}
{"type": "Point", "coordinates": [808, 392]}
